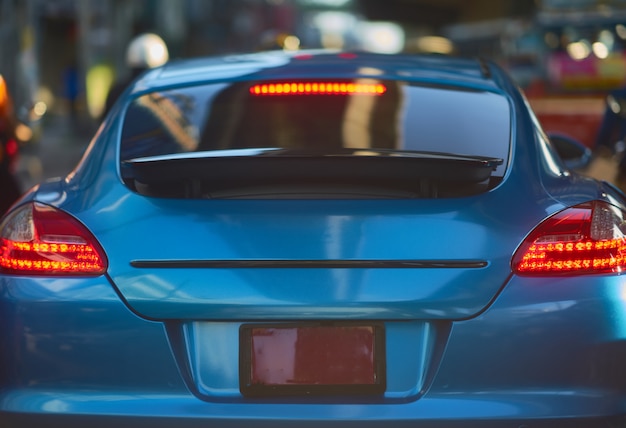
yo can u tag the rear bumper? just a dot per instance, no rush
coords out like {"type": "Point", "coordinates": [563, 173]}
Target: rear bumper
{"type": "Point", "coordinates": [488, 410]}
{"type": "Point", "coordinates": [544, 354]}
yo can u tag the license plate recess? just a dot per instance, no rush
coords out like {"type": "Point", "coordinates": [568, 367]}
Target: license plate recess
{"type": "Point", "coordinates": [312, 359]}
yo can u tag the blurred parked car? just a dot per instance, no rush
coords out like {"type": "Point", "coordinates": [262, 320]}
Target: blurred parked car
{"type": "Point", "coordinates": [311, 239]}
{"type": "Point", "coordinates": [10, 189]}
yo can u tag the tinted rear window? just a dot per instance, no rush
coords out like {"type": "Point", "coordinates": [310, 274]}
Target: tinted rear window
{"type": "Point", "coordinates": [403, 117]}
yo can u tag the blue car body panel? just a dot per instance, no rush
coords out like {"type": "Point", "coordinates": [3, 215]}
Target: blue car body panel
{"type": "Point", "coordinates": [155, 340]}
{"type": "Point", "coordinates": [86, 372]}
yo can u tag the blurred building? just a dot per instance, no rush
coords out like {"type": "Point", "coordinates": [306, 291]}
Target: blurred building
{"type": "Point", "coordinates": [68, 52]}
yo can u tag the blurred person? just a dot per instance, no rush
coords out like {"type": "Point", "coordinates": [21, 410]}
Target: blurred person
{"type": "Point", "coordinates": [613, 125]}
{"type": "Point", "coordinates": [145, 51]}
{"type": "Point", "coordinates": [71, 86]}
{"type": "Point", "coordinates": [10, 189]}
{"type": "Point", "coordinates": [611, 137]}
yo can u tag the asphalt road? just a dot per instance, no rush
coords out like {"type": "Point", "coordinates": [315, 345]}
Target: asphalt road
{"type": "Point", "coordinates": [603, 169]}
{"type": "Point", "coordinates": [54, 153]}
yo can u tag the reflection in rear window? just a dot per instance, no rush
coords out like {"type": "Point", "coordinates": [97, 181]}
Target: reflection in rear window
{"type": "Point", "coordinates": [399, 116]}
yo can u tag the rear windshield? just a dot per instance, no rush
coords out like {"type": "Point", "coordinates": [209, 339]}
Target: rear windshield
{"type": "Point", "coordinates": [318, 117]}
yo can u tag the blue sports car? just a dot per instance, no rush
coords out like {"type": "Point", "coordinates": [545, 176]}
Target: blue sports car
{"type": "Point", "coordinates": [308, 239]}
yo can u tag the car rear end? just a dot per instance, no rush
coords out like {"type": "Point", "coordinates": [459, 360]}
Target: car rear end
{"type": "Point", "coordinates": [407, 252]}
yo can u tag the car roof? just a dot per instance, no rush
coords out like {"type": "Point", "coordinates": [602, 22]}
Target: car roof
{"type": "Point", "coordinates": [426, 69]}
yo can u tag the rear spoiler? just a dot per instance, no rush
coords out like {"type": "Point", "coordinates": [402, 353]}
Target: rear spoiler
{"type": "Point", "coordinates": [211, 174]}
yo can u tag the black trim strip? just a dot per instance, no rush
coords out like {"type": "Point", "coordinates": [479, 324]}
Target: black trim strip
{"type": "Point", "coordinates": [326, 264]}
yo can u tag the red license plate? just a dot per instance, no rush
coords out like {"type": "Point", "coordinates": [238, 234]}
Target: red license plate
{"type": "Point", "coordinates": [324, 359]}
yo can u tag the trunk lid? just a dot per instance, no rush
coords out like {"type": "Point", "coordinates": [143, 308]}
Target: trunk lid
{"type": "Point", "coordinates": [302, 259]}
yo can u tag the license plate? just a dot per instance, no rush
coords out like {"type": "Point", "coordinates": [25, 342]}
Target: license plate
{"type": "Point", "coordinates": [312, 359]}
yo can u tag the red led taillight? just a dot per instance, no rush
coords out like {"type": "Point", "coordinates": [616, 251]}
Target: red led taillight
{"type": "Point", "coordinates": [585, 239]}
{"type": "Point", "coordinates": [42, 240]}
{"type": "Point", "coordinates": [12, 147]}
{"type": "Point", "coordinates": [318, 88]}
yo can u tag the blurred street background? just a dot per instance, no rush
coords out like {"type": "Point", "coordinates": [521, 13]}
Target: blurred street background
{"type": "Point", "coordinates": [60, 57]}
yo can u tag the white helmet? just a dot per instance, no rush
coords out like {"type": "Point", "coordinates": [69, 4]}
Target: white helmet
{"type": "Point", "coordinates": [147, 51]}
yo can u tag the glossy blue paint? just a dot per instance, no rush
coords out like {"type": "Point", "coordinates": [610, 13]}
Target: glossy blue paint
{"type": "Point", "coordinates": [476, 383]}
{"type": "Point", "coordinates": [77, 334]}
{"type": "Point", "coordinates": [465, 346]}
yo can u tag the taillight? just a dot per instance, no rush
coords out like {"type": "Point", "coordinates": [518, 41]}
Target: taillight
{"type": "Point", "coordinates": [37, 239]}
{"type": "Point", "coordinates": [584, 239]}
{"type": "Point", "coordinates": [12, 147]}
{"type": "Point", "coordinates": [318, 88]}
